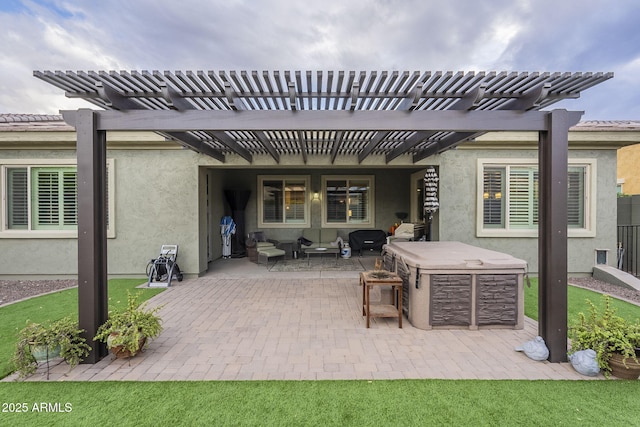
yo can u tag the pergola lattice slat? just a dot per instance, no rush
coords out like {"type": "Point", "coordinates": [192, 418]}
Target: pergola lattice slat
{"type": "Point", "coordinates": [326, 91]}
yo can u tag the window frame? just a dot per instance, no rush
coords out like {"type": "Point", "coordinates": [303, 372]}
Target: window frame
{"type": "Point", "coordinates": [371, 202]}
{"type": "Point", "coordinates": [590, 197]}
{"type": "Point", "coordinates": [34, 233]}
{"type": "Point", "coordinates": [307, 201]}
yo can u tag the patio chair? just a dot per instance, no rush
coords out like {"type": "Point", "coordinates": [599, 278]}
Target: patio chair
{"type": "Point", "coordinates": [257, 244]}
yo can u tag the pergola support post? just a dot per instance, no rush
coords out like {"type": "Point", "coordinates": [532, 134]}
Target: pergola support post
{"type": "Point", "coordinates": [92, 230]}
{"type": "Point", "coordinates": [552, 232]}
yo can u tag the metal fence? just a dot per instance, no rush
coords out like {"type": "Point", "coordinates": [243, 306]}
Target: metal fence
{"type": "Point", "coordinates": [629, 249]}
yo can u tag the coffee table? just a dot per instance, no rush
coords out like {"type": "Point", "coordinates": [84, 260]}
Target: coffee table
{"type": "Point", "coordinates": [321, 251]}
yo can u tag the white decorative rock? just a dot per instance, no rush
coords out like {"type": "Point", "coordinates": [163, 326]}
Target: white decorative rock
{"type": "Point", "coordinates": [535, 349]}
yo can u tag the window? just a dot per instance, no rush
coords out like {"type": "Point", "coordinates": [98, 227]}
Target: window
{"type": "Point", "coordinates": [509, 194]}
{"type": "Point", "coordinates": [284, 202]}
{"type": "Point", "coordinates": [42, 200]}
{"type": "Point", "coordinates": [54, 198]}
{"type": "Point", "coordinates": [347, 201]}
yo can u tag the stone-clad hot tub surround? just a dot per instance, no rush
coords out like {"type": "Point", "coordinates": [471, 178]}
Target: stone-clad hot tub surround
{"type": "Point", "coordinates": [455, 285]}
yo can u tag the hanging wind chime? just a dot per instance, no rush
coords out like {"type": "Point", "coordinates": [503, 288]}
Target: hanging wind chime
{"type": "Point", "coordinates": [431, 204]}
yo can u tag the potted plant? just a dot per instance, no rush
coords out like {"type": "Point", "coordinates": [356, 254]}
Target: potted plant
{"type": "Point", "coordinates": [39, 342]}
{"type": "Point", "coordinates": [615, 340]}
{"type": "Point", "coordinates": [127, 331]}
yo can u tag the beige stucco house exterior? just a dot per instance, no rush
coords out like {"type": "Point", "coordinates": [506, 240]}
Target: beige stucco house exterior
{"type": "Point", "coordinates": [160, 193]}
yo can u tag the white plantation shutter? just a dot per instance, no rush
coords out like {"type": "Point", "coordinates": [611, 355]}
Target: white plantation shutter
{"type": "Point", "coordinates": [521, 198]}
{"type": "Point", "coordinates": [70, 197]}
{"type": "Point", "coordinates": [18, 199]}
{"type": "Point", "coordinates": [54, 195]}
{"type": "Point", "coordinates": [46, 198]}
{"type": "Point", "coordinates": [535, 196]}
{"type": "Point", "coordinates": [108, 189]}
{"type": "Point", "coordinates": [576, 197]}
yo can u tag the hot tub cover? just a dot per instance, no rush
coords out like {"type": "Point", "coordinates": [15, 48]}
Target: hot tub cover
{"type": "Point", "coordinates": [452, 256]}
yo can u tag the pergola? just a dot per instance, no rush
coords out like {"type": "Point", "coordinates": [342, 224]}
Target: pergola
{"type": "Point", "coordinates": [385, 114]}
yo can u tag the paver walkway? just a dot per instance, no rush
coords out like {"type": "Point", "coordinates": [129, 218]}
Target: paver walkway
{"type": "Point", "coordinates": [282, 326]}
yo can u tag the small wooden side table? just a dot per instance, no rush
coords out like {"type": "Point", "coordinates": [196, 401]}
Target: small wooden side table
{"type": "Point", "coordinates": [368, 279]}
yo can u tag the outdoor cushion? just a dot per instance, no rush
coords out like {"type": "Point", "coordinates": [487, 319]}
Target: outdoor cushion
{"type": "Point", "coordinates": [328, 235]}
{"type": "Point", "coordinates": [264, 245]}
{"type": "Point", "coordinates": [269, 253]}
{"type": "Point", "coordinates": [320, 238]}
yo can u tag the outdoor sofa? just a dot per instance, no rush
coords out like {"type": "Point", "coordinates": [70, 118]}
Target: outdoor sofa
{"type": "Point", "coordinates": [320, 238]}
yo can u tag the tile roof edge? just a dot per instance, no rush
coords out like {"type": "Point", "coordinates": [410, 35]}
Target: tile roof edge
{"type": "Point", "coordinates": [29, 118]}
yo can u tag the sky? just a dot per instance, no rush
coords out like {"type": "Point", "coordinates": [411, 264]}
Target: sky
{"type": "Point", "coordinates": [358, 35]}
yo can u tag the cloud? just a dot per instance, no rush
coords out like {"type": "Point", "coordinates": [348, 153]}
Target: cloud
{"type": "Point", "coordinates": [522, 35]}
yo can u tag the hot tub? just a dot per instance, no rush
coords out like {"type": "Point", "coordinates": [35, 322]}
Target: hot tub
{"type": "Point", "coordinates": [455, 285]}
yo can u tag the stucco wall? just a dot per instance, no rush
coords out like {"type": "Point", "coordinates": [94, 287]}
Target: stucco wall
{"type": "Point", "coordinates": [458, 179]}
{"type": "Point", "coordinates": [156, 202]}
{"type": "Point", "coordinates": [44, 258]}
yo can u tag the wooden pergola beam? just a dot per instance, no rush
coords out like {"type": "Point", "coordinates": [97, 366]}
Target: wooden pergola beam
{"type": "Point", "coordinates": [232, 144]}
{"type": "Point", "coordinates": [262, 137]}
{"type": "Point", "coordinates": [469, 100]}
{"type": "Point", "coordinates": [280, 120]}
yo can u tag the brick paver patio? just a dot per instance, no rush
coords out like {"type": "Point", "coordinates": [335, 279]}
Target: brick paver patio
{"type": "Point", "coordinates": [267, 326]}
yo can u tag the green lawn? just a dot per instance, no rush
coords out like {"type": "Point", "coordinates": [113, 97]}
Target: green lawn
{"type": "Point", "coordinates": [53, 307]}
{"type": "Point", "coordinates": [326, 403]}
{"type": "Point", "coordinates": [576, 302]}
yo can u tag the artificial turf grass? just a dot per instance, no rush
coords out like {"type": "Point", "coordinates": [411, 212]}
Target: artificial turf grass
{"type": "Point", "coordinates": [54, 306]}
{"type": "Point", "coordinates": [385, 402]}
{"type": "Point", "coordinates": [576, 303]}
